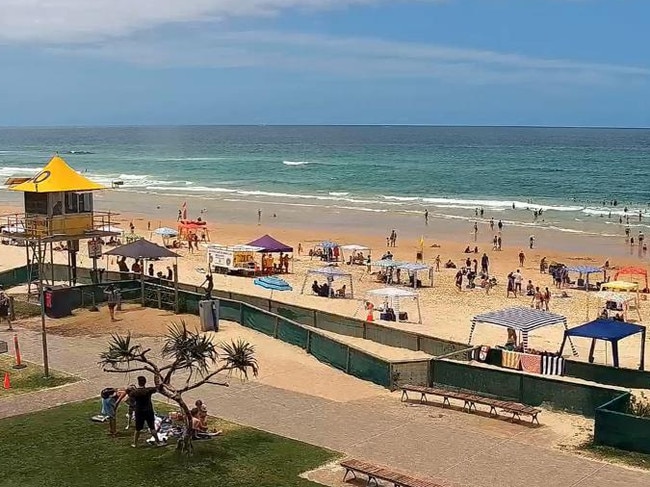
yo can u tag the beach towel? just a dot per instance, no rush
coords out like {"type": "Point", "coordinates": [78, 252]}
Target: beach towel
{"type": "Point", "coordinates": [510, 360]}
{"type": "Point", "coordinates": [531, 363]}
{"type": "Point", "coordinates": [552, 365]}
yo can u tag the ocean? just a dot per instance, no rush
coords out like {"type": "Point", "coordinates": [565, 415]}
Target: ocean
{"type": "Point", "coordinates": [573, 175]}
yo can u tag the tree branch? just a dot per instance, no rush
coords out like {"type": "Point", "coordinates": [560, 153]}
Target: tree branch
{"type": "Point", "coordinates": [126, 371]}
{"type": "Point", "coordinates": [205, 380]}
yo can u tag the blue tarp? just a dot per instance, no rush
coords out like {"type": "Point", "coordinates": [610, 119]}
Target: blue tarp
{"type": "Point", "coordinates": [602, 329]}
{"type": "Point", "coordinates": [585, 269]}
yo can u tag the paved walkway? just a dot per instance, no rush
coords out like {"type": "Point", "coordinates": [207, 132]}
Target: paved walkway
{"type": "Point", "coordinates": [378, 429]}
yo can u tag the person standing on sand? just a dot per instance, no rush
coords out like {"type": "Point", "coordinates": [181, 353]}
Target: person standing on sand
{"type": "Point", "coordinates": [531, 241]}
{"type": "Point", "coordinates": [426, 217]}
{"type": "Point", "coordinates": [499, 242]}
{"type": "Point", "coordinates": [495, 244]}
{"type": "Point", "coordinates": [475, 231]}
{"type": "Point", "coordinates": [459, 280]}
{"type": "Point", "coordinates": [111, 297]}
{"type": "Point", "coordinates": [547, 298]}
{"type": "Point", "coordinates": [299, 248]}
{"type": "Point", "coordinates": [259, 216]}
{"type": "Point", "coordinates": [511, 286]}
{"type": "Point", "coordinates": [522, 258]}
{"type": "Point", "coordinates": [492, 224]}
{"type": "Point", "coordinates": [518, 281]}
{"type": "Point", "coordinates": [485, 264]}
{"type": "Point", "coordinates": [500, 225]}
{"type": "Point", "coordinates": [437, 262]}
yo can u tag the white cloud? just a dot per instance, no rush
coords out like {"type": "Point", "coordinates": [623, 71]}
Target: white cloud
{"type": "Point", "coordinates": [369, 57]}
{"type": "Point", "coordinates": [62, 21]}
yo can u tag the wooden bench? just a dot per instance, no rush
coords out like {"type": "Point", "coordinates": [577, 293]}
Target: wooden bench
{"type": "Point", "coordinates": [378, 472]}
{"type": "Point", "coordinates": [471, 399]}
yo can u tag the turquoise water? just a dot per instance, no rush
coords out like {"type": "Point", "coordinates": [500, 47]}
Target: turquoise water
{"type": "Point", "coordinates": [569, 173]}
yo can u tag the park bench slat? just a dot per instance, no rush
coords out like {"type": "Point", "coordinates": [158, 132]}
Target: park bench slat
{"type": "Point", "coordinates": [471, 398]}
{"type": "Point", "coordinates": [384, 473]}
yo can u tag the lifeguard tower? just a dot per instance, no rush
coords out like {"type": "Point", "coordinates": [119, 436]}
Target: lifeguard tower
{"type": "Point", "coordinates": [58, 213]}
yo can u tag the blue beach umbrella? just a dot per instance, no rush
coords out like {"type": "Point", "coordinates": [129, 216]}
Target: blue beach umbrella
{"type": "Point", "coordinates": [165, 232]}
{"type": "Point", "coordinates": [272, 283]}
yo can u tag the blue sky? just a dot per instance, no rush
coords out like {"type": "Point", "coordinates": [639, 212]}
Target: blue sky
{"type": "Point", "coordinates": [467, 62]}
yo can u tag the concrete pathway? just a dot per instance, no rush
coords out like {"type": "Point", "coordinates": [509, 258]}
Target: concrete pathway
{"type": "Point", "coordinates": [377, 429]}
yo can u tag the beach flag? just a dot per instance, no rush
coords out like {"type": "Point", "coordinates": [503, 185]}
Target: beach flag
{"type": "Point", "coordinates": [422, 243]}
{"type": "Point", "coordinates": [184, 209]}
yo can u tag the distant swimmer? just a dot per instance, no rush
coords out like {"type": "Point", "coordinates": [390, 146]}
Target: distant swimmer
{"type": "Point", "coordinates": [513, 206]}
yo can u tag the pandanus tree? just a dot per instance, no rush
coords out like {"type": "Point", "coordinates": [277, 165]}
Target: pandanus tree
{"type": "Point", "coordinates": [188, 360]}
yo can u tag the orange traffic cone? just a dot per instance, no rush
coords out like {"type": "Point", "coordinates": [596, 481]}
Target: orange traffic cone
{"type": "Point", "coordinates": [7, 381]}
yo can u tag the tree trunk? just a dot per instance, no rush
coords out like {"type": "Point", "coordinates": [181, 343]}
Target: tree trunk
{"type": "Point", "coordinates": [185, 441]}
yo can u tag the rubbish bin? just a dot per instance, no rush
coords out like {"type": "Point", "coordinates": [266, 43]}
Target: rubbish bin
{"type": "Point", "coordinates": [209, 314]}
{"type": "Point", "coordinates": [58, 301]}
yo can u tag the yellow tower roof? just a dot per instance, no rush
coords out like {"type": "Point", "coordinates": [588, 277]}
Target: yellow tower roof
{"type": "Point", "coordinates": [56, 177]}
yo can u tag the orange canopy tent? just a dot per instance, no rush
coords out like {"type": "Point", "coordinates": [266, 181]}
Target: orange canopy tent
{"type": "Point", "coordinates": [187, 227]}
{"type": "Point", "coordinates": [633, 273]}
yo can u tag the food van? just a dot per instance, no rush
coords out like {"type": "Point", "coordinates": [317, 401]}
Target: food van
{"type": "Point", "coordinates": [232, 259]}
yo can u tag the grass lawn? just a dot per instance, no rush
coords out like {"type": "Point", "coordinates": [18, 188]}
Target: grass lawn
{"type": "Point", "coordinates": [614, 455]}
{"type": "Point", "coordinates": [30, 378]}
{"type": "Point", "coordinates": [62, 447]}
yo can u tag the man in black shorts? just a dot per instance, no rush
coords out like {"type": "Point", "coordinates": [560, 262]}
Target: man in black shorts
{"type": "Point", "coordinates": [144, 414]}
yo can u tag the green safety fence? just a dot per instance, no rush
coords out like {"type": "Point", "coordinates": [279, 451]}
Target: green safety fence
{"type": "Point", "coordinates": [230, 311]}
{"type": "Point", "coordinates": [258, 320]}
{"type": "Point", "coordinates": [414, 372]}
{"type": "Point", "coordinates": [294, 313]}
{"type": "Point", "coordinates": [506, 385]}
{"type": "Point", "coordinates": [368, 367]}
{"type": "Point", "coordinates": [437, 346]}
{"type": "Point", "coordinates": [329, 351]}
{"type": "Point", "coordinates": [391, 337]}
{"type": "Point", "coordinates": [615, 427]}
{"type": "Point", "coordinates": [339, 324]}
{"type": "Point", "coordinates": [604, 374]}
{"type": "Point", "coordinates": [255, 301]}
{"type": "Point", "coordinates": [292, 333]}
{"type": "Point", "coordinates": [16, 276]}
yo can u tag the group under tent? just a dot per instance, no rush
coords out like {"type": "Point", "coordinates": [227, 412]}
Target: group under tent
{"type": "Point", "coordinates": [412, 269]}
{"type": "Point", "coordinates": [584, 273]}
{"type": "Point", "coordinates": [331, 273]}
{"type": "Point", "coordinates": [391, 300]}
{"type": "Point", "coordinates": [522, 320]}
{"type": "Point", "coordinates": [621, 303]}
{"type": "Point", "coordinates": [326, 250]}
{"type": "Point", "coordinates": [352, 251]}
{"type": "Point", "coordinates": [611, 331]}
{"type": "Point", "coordinates": [144, 250]}
{"type": "Point", "coordinates": [626, 287]}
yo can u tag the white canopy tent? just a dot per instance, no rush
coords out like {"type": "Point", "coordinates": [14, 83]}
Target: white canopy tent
{"type": "Point", "coordinates": [414, 268]}
{"type": "Point", "coordinates": [331, 273]}
{"type": "Point", "coordinates": [391, 297]}
{"type": "Point", "coordinates": [623, 301]}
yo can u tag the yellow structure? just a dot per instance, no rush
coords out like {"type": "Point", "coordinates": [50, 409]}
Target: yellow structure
{"type": "Point", "coordinates": [58, 210]}
{"type": "Point", "coordinates": [58, 202]}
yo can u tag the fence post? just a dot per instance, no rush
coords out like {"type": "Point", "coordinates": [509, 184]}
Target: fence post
{"type": "Point", "coordinates": [390, 377]}
{"type": "Point", "coordinates": [521, 388]}
{"type": "Point", "coordinates": [308, 349]}
{"type": "Point", "coordinates": [364, 329]}
{"type": "Point", "coordinates": [241, 313]}
{"type": "Point", "coordinates": [347, 361]}
{"type": "Point", "coordinates": [12, 311]}
{"type": "Point", "coordinates": [159, 296]}
{"type": "Point", "coordinates": [277, 325]}
{"type": "Point", "coordinates": [315, 319]}
{"type": "Point", "coordinates": [432, 372]}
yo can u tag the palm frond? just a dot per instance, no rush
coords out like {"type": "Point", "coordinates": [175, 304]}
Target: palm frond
{"type": "Point", "coordinates": [240, 356]}
{"type": "Point", "coordinates": [189, 350]}
{"type": "Point", "coordinates": [120, 350]}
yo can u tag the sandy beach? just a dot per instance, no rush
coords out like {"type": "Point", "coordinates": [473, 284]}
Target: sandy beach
{"type": "Point", "coordinates": [446, 312]}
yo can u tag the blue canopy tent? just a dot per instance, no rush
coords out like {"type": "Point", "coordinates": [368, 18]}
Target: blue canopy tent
{"type": "Point", "coordinates": [585, 270]}
{"type": "Point", "coordinates": [608, 330]}
{"type": "Point", "coordinates": [522, 320]}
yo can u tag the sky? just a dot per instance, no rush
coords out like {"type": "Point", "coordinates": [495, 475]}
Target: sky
{"type": "Point", "coordinates": [438, 62]}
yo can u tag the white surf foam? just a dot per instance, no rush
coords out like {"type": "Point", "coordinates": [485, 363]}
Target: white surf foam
{"type": "Point", "coordinates": [296, 163]}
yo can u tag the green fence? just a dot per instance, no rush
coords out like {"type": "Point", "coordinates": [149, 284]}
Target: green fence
{"type": "Point", "coordinates": [533, 390]}
{"type": "Point", "coordinates": [16, 276]}
{"type": "Point", "coordinates": [413, 372]}
{"type": "Point", "coordinates": [604, 374]}
{"type": "Point", "coordinates": [615, 427]}
{"type": "Point", "coordinates": [340, 325]}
